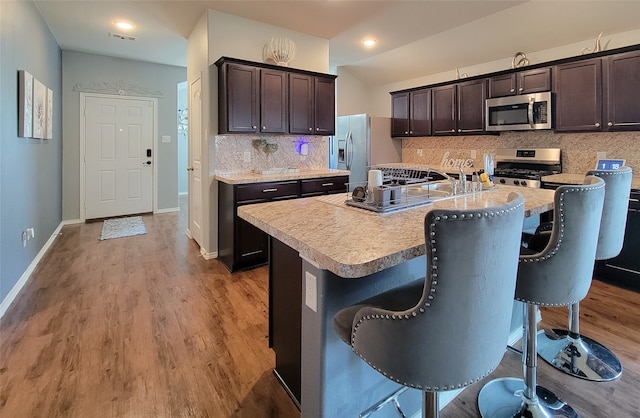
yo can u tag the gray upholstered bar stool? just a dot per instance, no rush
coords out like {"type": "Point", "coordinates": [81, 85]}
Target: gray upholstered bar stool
{"type": "Point", "coordinates": [568, 350]}
{"type": "Point", "coordinates": [559, 275]}
{"type": "Point", "coordinates": [450, 329]}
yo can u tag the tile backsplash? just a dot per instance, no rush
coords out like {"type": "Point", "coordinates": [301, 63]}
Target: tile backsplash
{"type": "Point", "coordinates": [231, 151]}
{"type": "Point", "coordinates": [578, 149]}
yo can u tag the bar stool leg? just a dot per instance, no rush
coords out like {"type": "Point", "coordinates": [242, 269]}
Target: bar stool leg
{"type": "Point", "coordinates": [430, 405]}
{"type": "Point", "coordinates": [577, 355]}
{"type": "Point", "coordinates": [511, 397]}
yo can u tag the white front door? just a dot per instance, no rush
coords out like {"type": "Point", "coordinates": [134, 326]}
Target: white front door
{"type": "Point", "coordinates": [119, 159]}
{"type": "Point", "coordinates": [195, 160]}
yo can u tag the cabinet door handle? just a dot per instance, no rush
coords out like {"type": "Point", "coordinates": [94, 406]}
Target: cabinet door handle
{"type": "Point", "coordinates": [269, 190]}
{"type": "Point", "coordinates": [597, 125]}
{"type": "Point", "coordinates": [327, 184]}
{"type": "Point", "coordinates": [410, 132]}
{"type": "Point", "coordinates": [264, 128]}
{"type": "Point", "coordinates": [406, 132]}
{"type": "Point", "coordinates": [317, 129]}
{"type": "Point", "coordinates": [453, 130]}
{"type": "Point", "coordinates": [512, 90]}
{"type": "Point", "coordinates": [310, 129]}
{"type": "Point", "coordinates": [459, 130]}
{"type": "Point", "coordinates": [520, 89]}
{"type": "Point", "coordinates": [610, 124]}
{"type": "Point", "coordinates": [254, 127]}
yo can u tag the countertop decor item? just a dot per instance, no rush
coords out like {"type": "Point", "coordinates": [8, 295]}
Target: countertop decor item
{"type": "Point", "coordinates": [519, 60]}
{"type": "Point", "coordinates": [596, 48]}
{"type": "Point", "coordinates": [459, 76]}
{"type": "Point", "coordinates": [279, 50]}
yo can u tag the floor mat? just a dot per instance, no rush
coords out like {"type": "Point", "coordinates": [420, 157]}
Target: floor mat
{"type": "Point", "coordinates": [123, 227]}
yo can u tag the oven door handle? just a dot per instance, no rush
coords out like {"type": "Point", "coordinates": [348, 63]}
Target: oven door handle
{"type": "Point", "coordinates": [530, 112]}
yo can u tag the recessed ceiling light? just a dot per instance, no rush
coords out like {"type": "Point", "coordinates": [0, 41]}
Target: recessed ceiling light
{"type": "Point", "coordinates": [369, 42]}
{"type": "Point", "coordinates": [123, 25]}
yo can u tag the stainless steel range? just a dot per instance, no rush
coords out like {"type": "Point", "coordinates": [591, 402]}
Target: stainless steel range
{"type": "Point", "coordinates": [525, 167]}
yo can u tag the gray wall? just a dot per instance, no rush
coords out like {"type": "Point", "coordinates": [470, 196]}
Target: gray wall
{"type": "Point", "coordinates": [89, 69]}
{"type": "Point", "coordinates": [30, 169]}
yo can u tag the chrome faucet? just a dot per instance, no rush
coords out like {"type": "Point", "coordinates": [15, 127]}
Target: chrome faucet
{"type": "Point", "coordinates": [443, 174]}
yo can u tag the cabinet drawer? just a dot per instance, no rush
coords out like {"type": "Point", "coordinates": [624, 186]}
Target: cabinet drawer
{"type": "Point", "coordinates": [325, 185]}
{"type": "Point", "coordinates": [254, 192]}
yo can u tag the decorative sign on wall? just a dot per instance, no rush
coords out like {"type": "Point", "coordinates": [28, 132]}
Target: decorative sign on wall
{"type": "Point", "coordinates": [25, 100]}
{"type": "Point", "coordinates": [35, 113]}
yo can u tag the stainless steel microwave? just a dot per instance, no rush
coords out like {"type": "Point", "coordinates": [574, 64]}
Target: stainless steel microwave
{"type": "Point", "coordinates": [524, 112]}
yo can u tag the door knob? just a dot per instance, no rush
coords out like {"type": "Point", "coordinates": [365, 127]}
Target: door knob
{"type": "Point", "coordinates": [189, 168]}
{"type": "Point", "coordinates": [147, 163]}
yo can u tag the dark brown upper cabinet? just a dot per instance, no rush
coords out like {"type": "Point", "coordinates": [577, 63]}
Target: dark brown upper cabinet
{"type": "Point", "coordinates": [523, 82]}
{"type": "Point", "coordinates": [444, 110]}
{"type": "Point", "coordinates": [622, 91]}
{"type": "Point", "coordinates": [400, 114]}
{"type": "Point", "coordinates": [411, 113]}
{"type": "Point", "coordinates": [458, 109]}
{"type": "Point", "coordinates": [471, 109]}
{"type": "Point", "coordinates": [325, 105]}
{"type": "Point", "coordinates": [301, 119]}
{"type": "Point", "coordinates": [311, 105]}
{"type": "Point", "coordinates": [599, 94]}
{"type": "Point", "coordinates": [238, 94]}
{"type": "Point", "coordinates": [261, 98]}
{"type": "Point", "coordinates": [273, 101]}
{"type": "Point", "coordinates": [578, 91]}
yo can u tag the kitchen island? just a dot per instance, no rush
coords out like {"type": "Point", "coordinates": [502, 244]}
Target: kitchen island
{"type": "Point", "coordinates": [347, 254]}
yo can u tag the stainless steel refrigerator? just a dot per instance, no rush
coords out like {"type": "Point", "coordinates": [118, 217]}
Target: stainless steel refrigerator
{"type": "Point", "coordinates": [362, 141]}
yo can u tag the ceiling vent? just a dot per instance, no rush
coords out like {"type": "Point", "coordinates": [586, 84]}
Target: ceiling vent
{"type": "Point", "coordinates": [121, 36]}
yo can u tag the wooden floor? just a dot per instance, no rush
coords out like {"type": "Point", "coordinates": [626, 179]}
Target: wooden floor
{"type": "Point", "coordinates": [143, 326]}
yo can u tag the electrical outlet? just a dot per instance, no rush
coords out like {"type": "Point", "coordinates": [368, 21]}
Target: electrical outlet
{"type": "Point", "coordinates": [473, 154]}
{"type": "Point", "coordinates": [601, 155]}
{"type": "Point", "coordinates": [419, 153]}
{"type": "Point", "coordinates": [311, 291]}
{"type": "Point", "coordinates": [247, 156]}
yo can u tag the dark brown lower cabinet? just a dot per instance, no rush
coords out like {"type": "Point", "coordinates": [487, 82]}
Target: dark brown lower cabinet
{"type": "Point", "coordinates": [285, 314]}
{"type": "Point", "coordinates": [242, 245]}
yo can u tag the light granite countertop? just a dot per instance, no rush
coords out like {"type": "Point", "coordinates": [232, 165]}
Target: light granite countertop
{"type": "Point", "coordinates": [352, 242]}
{"type": "Point", "coordinates": [568, 178]}
{"type": "Point", "coordinates": [252, 177]}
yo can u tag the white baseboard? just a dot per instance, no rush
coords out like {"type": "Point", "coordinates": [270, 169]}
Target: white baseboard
{"type": "Point", "coordinates": [8, 300]}
{"type": "Point", "coordinates": [208, 256]}
{"type": "Point", "coordinates": [167, 210]}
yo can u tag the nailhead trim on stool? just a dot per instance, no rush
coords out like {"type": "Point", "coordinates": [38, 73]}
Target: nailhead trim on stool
{"type": "Point", "coordinates": [422, 309]}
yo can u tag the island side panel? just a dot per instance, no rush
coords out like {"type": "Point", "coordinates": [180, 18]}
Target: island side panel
{"type": "Point", "coordinates": [335, 381]}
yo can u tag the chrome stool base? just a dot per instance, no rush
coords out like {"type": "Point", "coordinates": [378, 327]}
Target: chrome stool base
{"type": "Point", "coordinates": [579, 357]}
{"type": "Point", "coordinates": [502, 398]}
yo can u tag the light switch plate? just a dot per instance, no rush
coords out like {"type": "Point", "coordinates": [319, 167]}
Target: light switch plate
{"type": "Point", "coordinates": [166, 138]}
{"type": "Point", "coordinates": [311, 291]}
{"type": "Point", "coordinates": [247, 156]}
{"type": "Point", "coordinates": [601, 155]}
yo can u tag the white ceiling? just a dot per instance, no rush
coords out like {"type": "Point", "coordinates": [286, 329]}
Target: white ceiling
{"type": "Point", "coordinates": [415, 38]}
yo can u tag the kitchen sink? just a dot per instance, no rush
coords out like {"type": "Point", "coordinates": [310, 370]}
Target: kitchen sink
{"type": "Point", "coordinates": [433, 191]}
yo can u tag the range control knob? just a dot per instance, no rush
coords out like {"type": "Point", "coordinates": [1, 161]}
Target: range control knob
{"type": "Point", "coordinates": [516, 182]}
{"type": "Point", "coordinates": [523, 183]}
{"type": "Point", "coordinates": [502, 181]}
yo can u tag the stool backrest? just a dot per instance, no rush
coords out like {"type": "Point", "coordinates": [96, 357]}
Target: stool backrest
{"type": "Point", "coordinates": [560, 274]}
{"type": "Point", "coordinates": [614, 212]}
{"type": "Point", "coordinates": [458, 331]}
